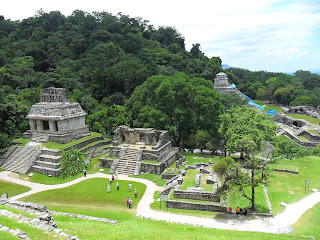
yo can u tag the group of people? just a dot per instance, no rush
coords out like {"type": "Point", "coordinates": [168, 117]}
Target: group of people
{"type": "Point", "coordinates": [239, 211]}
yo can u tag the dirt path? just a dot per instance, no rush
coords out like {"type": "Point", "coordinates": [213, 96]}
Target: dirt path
{"type": "Point", "coordinates": [277, 224]}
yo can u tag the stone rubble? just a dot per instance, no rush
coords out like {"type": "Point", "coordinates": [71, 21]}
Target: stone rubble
{"type": "Point", "coordinates": [42, 219]}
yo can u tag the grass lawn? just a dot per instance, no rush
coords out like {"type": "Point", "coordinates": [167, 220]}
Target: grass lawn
{"type": "Point", "coordinates": [89, 197]}
{"type": "Point", "coordinates": [290, 188]}
{"type": "Point", "coordinates": [193, 158]}
{"type": "Point", "coordinates": [313, 132]}
{"type": "Point", "coordinates": [276, 108]}
{"type": "Point", "coordinates": [203, 183]}
{"type": "Point", "coordinates": [282, 166]}
{"type": "Point", "coordinates": [150, 161]}
{"type": "Point", "coordinates": [309, 223]}
{"type": "Point", "coordinates": [12, 189]}
{"type": "Point", "coordinates": [236, 200]}
{"type": "Point", "coordinates": [189, 179]}
{"type": "Point", "coordinates": [305, 117]}
{"type": "Point", "coordinates": [54, 145]}
{"type": "Point", "coordinates": [24, 141]}
{"type": "Point", "coordinates": [156, 179]}
{"type": "Point", "coordinates": [304, 139]}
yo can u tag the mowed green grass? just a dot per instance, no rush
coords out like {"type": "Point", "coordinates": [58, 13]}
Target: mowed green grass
{"type": "Point", "coordinates": [276, 108]}
{"type": "Point", "coordinates": [290, 188]}
{"type": "Point", "coordinates": [54, 145]}
{"type": "Point", "coordinates": [236, 200]}
{"type": "Point", "coordinates": [189, 179]}
{"type": "Point", "coordinates": [305, 117]}
{"type": "Point", "coordinates": [90, 197]}
{"type": "Point", "coordinates": [12, 189]}
{"type": "Point", "coordinates": [309, 223]}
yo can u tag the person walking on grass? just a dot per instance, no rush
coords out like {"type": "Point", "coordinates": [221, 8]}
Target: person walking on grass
{"type": "Point", "coordinates": [84, 172]}
{"type": "Point", "coordinates": [135, 193]}
{"type": "Point", "coordinates": [127, 201]}
{"type": "Point", "coordinates": [118, 186]}
{"type": "Point", "coordinates": [108, 188]}
{"type": "Point", "coordinates": [130, 203]}
{"type": "Point", "coordinates": [130, 187]}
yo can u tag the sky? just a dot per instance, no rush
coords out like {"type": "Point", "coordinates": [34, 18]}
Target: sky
{"type": "Point", "coordinates": [270, 35]}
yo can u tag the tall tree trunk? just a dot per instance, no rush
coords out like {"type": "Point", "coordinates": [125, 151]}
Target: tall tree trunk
{"type": "Point", "coordinates": [253, 206]}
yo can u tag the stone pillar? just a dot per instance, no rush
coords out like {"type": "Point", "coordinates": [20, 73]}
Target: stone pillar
{"type": "Point", "coordinates": [31, 124]}
{"type": "Point", "coordinates": [39, 125]}
{"type": "Point", "coordinates": [51, 127]}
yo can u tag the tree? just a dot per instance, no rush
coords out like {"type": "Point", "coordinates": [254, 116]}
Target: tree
{"type": "Point", "coordinates": [302, 101]}
{"type": "Point", "coordinates": [223, 167]}
{"type": "Point", "coordinates": [72, 163]}
{"type": "Point", "coordinates": [244, 129]}
{"type": "Point", "coordinates": [177, 103]}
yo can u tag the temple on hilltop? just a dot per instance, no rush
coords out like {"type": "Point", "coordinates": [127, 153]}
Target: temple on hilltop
{"type": "Point", "coordinates": [55, 118]}
{"type": "Point", "coordinates": [221, 83]}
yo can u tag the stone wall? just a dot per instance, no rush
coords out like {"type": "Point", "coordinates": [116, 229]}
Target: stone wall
{"type": "Point", "coordinates": [311, 111]}
{"type": "Point", "coordinates": [99, 144]}
{"type": "Point", "coordinates": [152, 168]}
{"type": "Point", "coordinates": [105, 162]}
{"type": "Point", "coordinates": [297, 123]}
{"type": "Point", "coordinates": [310, 136]}
{"type": "Point", "coordinates": [196, 195]}
{"type": "Point", "coordinates": [299, 142]}
{"type": "Point", "coordinates": [196, 206]}
{"type": "Point", "coordinates": [84, 143]}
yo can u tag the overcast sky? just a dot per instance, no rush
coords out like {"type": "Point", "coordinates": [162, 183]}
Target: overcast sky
{"type": "Point", "coordinates": [271, 35]}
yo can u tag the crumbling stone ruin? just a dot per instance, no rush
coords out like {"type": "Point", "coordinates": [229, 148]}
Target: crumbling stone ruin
{"type": "Point", "coordinates": [294, 128]}
{"type": "Point", "coordinates": [55, 119]}
{"type": "Point", "coordinates": [132, 145]}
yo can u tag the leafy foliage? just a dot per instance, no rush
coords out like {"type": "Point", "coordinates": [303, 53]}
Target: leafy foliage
{"type": "Point", "coordinates": [72, 163]}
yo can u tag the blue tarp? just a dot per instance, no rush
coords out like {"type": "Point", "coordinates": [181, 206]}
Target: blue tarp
{"type": "Point", "coordinates": [233, 85]}
{"type": "Point", "coordinates": [271, 111]}
{"type": "Point", "coordinates": [252, 102]}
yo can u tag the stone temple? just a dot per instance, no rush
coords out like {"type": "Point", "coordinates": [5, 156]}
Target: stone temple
{"type": "Point", "coordinates": [55, 118]}
{"type": "Point", "coordinates": [221, 83]}
{"type": "Point", "coordinates": [140, 150]}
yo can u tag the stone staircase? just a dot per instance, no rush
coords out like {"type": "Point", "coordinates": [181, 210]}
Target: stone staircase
{"type": "Point", "coordinates": [39, 137]}
{"type": "Point", "coordinates": [22, 159]}
{"type": "Point", "coordinates": [48, 163]}
{"type": "Point", "coordinates": [133, 158]}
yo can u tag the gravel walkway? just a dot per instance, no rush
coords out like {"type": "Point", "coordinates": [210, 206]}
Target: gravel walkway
{"type": "Point", "coordinates": [278, 224]}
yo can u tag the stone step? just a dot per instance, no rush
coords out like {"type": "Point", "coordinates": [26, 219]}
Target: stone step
{"type": "Point", "coordinates": [50, 158]}
{"type": "Point", "coordinates": [46, 171]}
{"type": "Point", "coordinates": [51, 152]}
{"type": "Point", "coordinates": [47, 164]}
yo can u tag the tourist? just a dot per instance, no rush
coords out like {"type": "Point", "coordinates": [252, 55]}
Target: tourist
{"type": "Point", "coordinates": [127, 163]}
{"type": "Point", "coordinates": [241, 212]}
{"type": "Point", "coordinates": [135, 193]}
{"type": "Point", "coordinates": [108, 188]}
{"type": "Point", "coordinates": [84, 172]}
{"type": "Point", "coordinates": [230, 210]}
{"type": "Point", "coordinates": [127, 201]}
{"type": "Point", "coordinates": [117, 186]}
{"type": "Point", "coordinates": [130, 187]}
{"type": "Point", "coordinates": [130, 203]}
{"type": "Point", "coordinates": [245, 212]}
{"type": "Point", "coordinates": [237, 210]}
{"type": "Point", "coordinates": [112, 177]}
{"type": "Point", "coordinates": [116, 174]}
